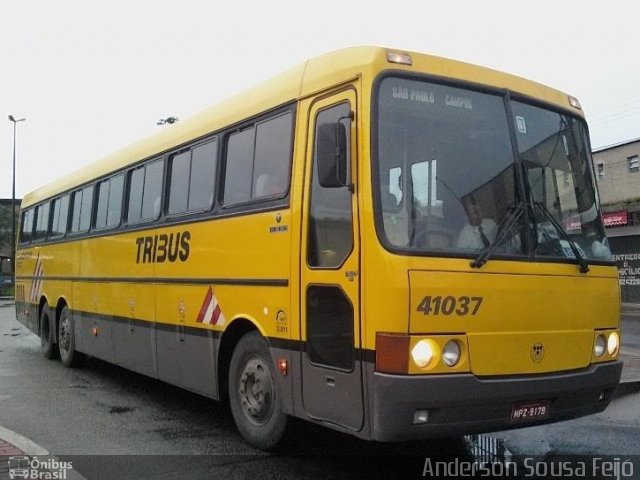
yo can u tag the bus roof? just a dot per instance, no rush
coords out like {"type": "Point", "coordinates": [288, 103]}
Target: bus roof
{"type": "Point", "coordinates": [302, 80]}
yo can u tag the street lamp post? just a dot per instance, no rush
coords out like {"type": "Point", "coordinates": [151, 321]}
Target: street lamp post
{"type": "Point", "coordinates": [13, 201]}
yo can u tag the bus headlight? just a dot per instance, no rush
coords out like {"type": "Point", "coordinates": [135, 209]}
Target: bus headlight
{"type": "Point", "coordinates": [451, 353]}
{"type": "Point", "coordinates": [601, 344]}
{"type": "Point", "coordinates": [613, 343]}
{"type": "Point", "coordinates": [422, 353]}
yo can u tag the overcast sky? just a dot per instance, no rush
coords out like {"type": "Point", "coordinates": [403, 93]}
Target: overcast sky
{"type": "Point", "coordinates": [92, 77]}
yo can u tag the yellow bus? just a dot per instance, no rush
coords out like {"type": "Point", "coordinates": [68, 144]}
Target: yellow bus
{"type": "Point", "coordinates": [391, 244]}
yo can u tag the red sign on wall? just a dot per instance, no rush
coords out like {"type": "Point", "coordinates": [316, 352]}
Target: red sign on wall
{"type": "Point", "coordinates": [613, 219]}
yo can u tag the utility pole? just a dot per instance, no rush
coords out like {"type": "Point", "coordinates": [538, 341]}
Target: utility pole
{"type": "Point", "coordinates": [13, 202]}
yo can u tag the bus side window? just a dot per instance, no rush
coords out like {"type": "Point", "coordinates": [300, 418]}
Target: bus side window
{"type": "Point", "coordinates": [81, 209]}
{"type": "Point", "coordinates": [26, 232]}
{"type": "Point", "coordinates": [272, 157]}
{"type": "Point", "coordinates": [114, 208]}
{"type": "Point", "coordinates": [42, 221]}
{"type": "Point", "coordinates": [330, 233]}
{"type": "Point", "coordinates": [192, 176]}
{"type": "Point", "coordinates": [145, 189]}
{"type": "Point", "coordinates": [203, 176]}
{"type": "Point", "coordinates": [151, 196]}
{"type": "Point", "coordinates": [60, 216]}
{"type": "Point", "coordinates": [109, 202]}
{"type": "Point", "coordinates": [258, 162]}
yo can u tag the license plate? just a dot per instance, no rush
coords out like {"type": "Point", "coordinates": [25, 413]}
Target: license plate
{"type": "Point", "coordinates": [529, 411]}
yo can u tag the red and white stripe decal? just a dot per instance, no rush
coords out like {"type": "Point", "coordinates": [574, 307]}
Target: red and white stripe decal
{"type": "Point", "coordinates": [210, 311]}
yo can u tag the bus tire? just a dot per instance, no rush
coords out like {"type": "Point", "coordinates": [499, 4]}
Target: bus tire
{"type": "Point", "coordinates": [67, 342]}
{"type": "Point", "coordinates": [253, 393]}
{"type": "Point", "coordinates": [47, 334]}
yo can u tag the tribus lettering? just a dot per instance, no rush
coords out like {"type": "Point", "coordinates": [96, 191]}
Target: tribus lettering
{"type": "Point", "coordinates": [160, 248]}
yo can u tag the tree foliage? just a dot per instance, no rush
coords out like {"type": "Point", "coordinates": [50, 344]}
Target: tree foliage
{"type": "Point", "coordinates": [5, 226]}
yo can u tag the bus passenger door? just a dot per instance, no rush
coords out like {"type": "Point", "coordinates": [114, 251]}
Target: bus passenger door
{"type": "Point", "coordinates": [330, 263]}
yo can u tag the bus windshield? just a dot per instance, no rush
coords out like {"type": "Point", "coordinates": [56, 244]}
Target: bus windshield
{"type": "Point", "coordinates": [448, 182]}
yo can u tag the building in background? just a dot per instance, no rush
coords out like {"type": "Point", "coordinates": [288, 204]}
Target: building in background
{"type": "Point", "coordinates": [6, 252]}
{"type": "Point", "coordinates": [617, 169]}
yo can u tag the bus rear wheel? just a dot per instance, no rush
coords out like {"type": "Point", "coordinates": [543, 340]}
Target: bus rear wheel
{"type": "Point", "coordinates": [66, 341]}
{"type": "Point", "coordinates": [47, 334]}
{"type": "Point", "coordinates": [253, 393]}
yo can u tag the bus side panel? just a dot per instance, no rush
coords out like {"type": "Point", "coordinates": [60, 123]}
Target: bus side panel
{"type": "Point", "coordinates": [225, 270]}
{"type": "Point", "coordinates": [25, 313]}
{"type": "Point", "coordinates": [132, 327]}
{"type": "Point", "coordinates": [186, 353]}
{"type": "Point", "coordinates": [27, 265]}
{"type": "Point", "coordinates": [92, 319]}
{"type": "Point", "coordinates": [57, 292]}
{"type": "Point", "coordinates": [91, 307]}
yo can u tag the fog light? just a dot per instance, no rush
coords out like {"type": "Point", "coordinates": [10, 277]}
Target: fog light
{"type": "Point", "coordinates": [600, 345]}
{"type": "Point", "coordinates": [451, 353]}
{"type": "Point", "coordinates": [420, 416]}
{"type": "Point", "coordinates": [422, 353]}
{"type": "Point", "coordinates": [613, 343]}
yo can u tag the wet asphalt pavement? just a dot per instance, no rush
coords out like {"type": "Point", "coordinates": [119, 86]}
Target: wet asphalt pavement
{"type": "Point", "coordinates": [112, 423]}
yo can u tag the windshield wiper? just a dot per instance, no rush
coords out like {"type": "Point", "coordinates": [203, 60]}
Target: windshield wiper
{"type": "Point", "coordinates": [584, 266]}
{"type": "Point", "coordinates": [504, 228]}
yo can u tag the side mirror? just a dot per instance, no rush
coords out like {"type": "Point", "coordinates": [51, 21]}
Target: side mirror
{"type": "Point", "coordinates": [332, 155]}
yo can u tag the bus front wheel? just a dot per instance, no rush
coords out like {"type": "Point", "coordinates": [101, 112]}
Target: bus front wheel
{"type": "Point", "coordinates": [253, 393]}
{"type": "Point", "coordinates": [66, 341]}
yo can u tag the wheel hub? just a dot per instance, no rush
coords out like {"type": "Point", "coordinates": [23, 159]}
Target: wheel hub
{"type": "Point", "coordinates": [65, 335]}
{"type": "Point", "coordinates": [256, 391]}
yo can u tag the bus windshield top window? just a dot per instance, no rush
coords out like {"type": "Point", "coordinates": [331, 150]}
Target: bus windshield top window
{"type": "Point", "coordinates": [447, 176]}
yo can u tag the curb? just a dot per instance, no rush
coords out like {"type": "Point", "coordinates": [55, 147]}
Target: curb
{"type": "Point", "coordinates": [22, 443]}
{"type": "Point", "coordinates": [626, 388]}
{"type": "Point", "coordinates": [32, 449]}
{"type": "Point", "coordinates": [7, 301]}
{"type": "Point", "coordinates": [630, 308]}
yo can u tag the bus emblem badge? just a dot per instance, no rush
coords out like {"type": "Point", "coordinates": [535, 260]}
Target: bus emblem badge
{"type": "Point", "coordinates": [537, 352]}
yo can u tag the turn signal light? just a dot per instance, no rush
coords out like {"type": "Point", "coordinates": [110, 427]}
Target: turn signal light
{"type": "Point", "coordinates": [392, 353]}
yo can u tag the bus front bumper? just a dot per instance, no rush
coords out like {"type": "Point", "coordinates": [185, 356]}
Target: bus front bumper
{"type": "Point", "coordinates": [462, 404]}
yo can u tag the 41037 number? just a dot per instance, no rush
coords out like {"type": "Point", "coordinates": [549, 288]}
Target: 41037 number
{"type": "Point", "coordinates": [449, 305]}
